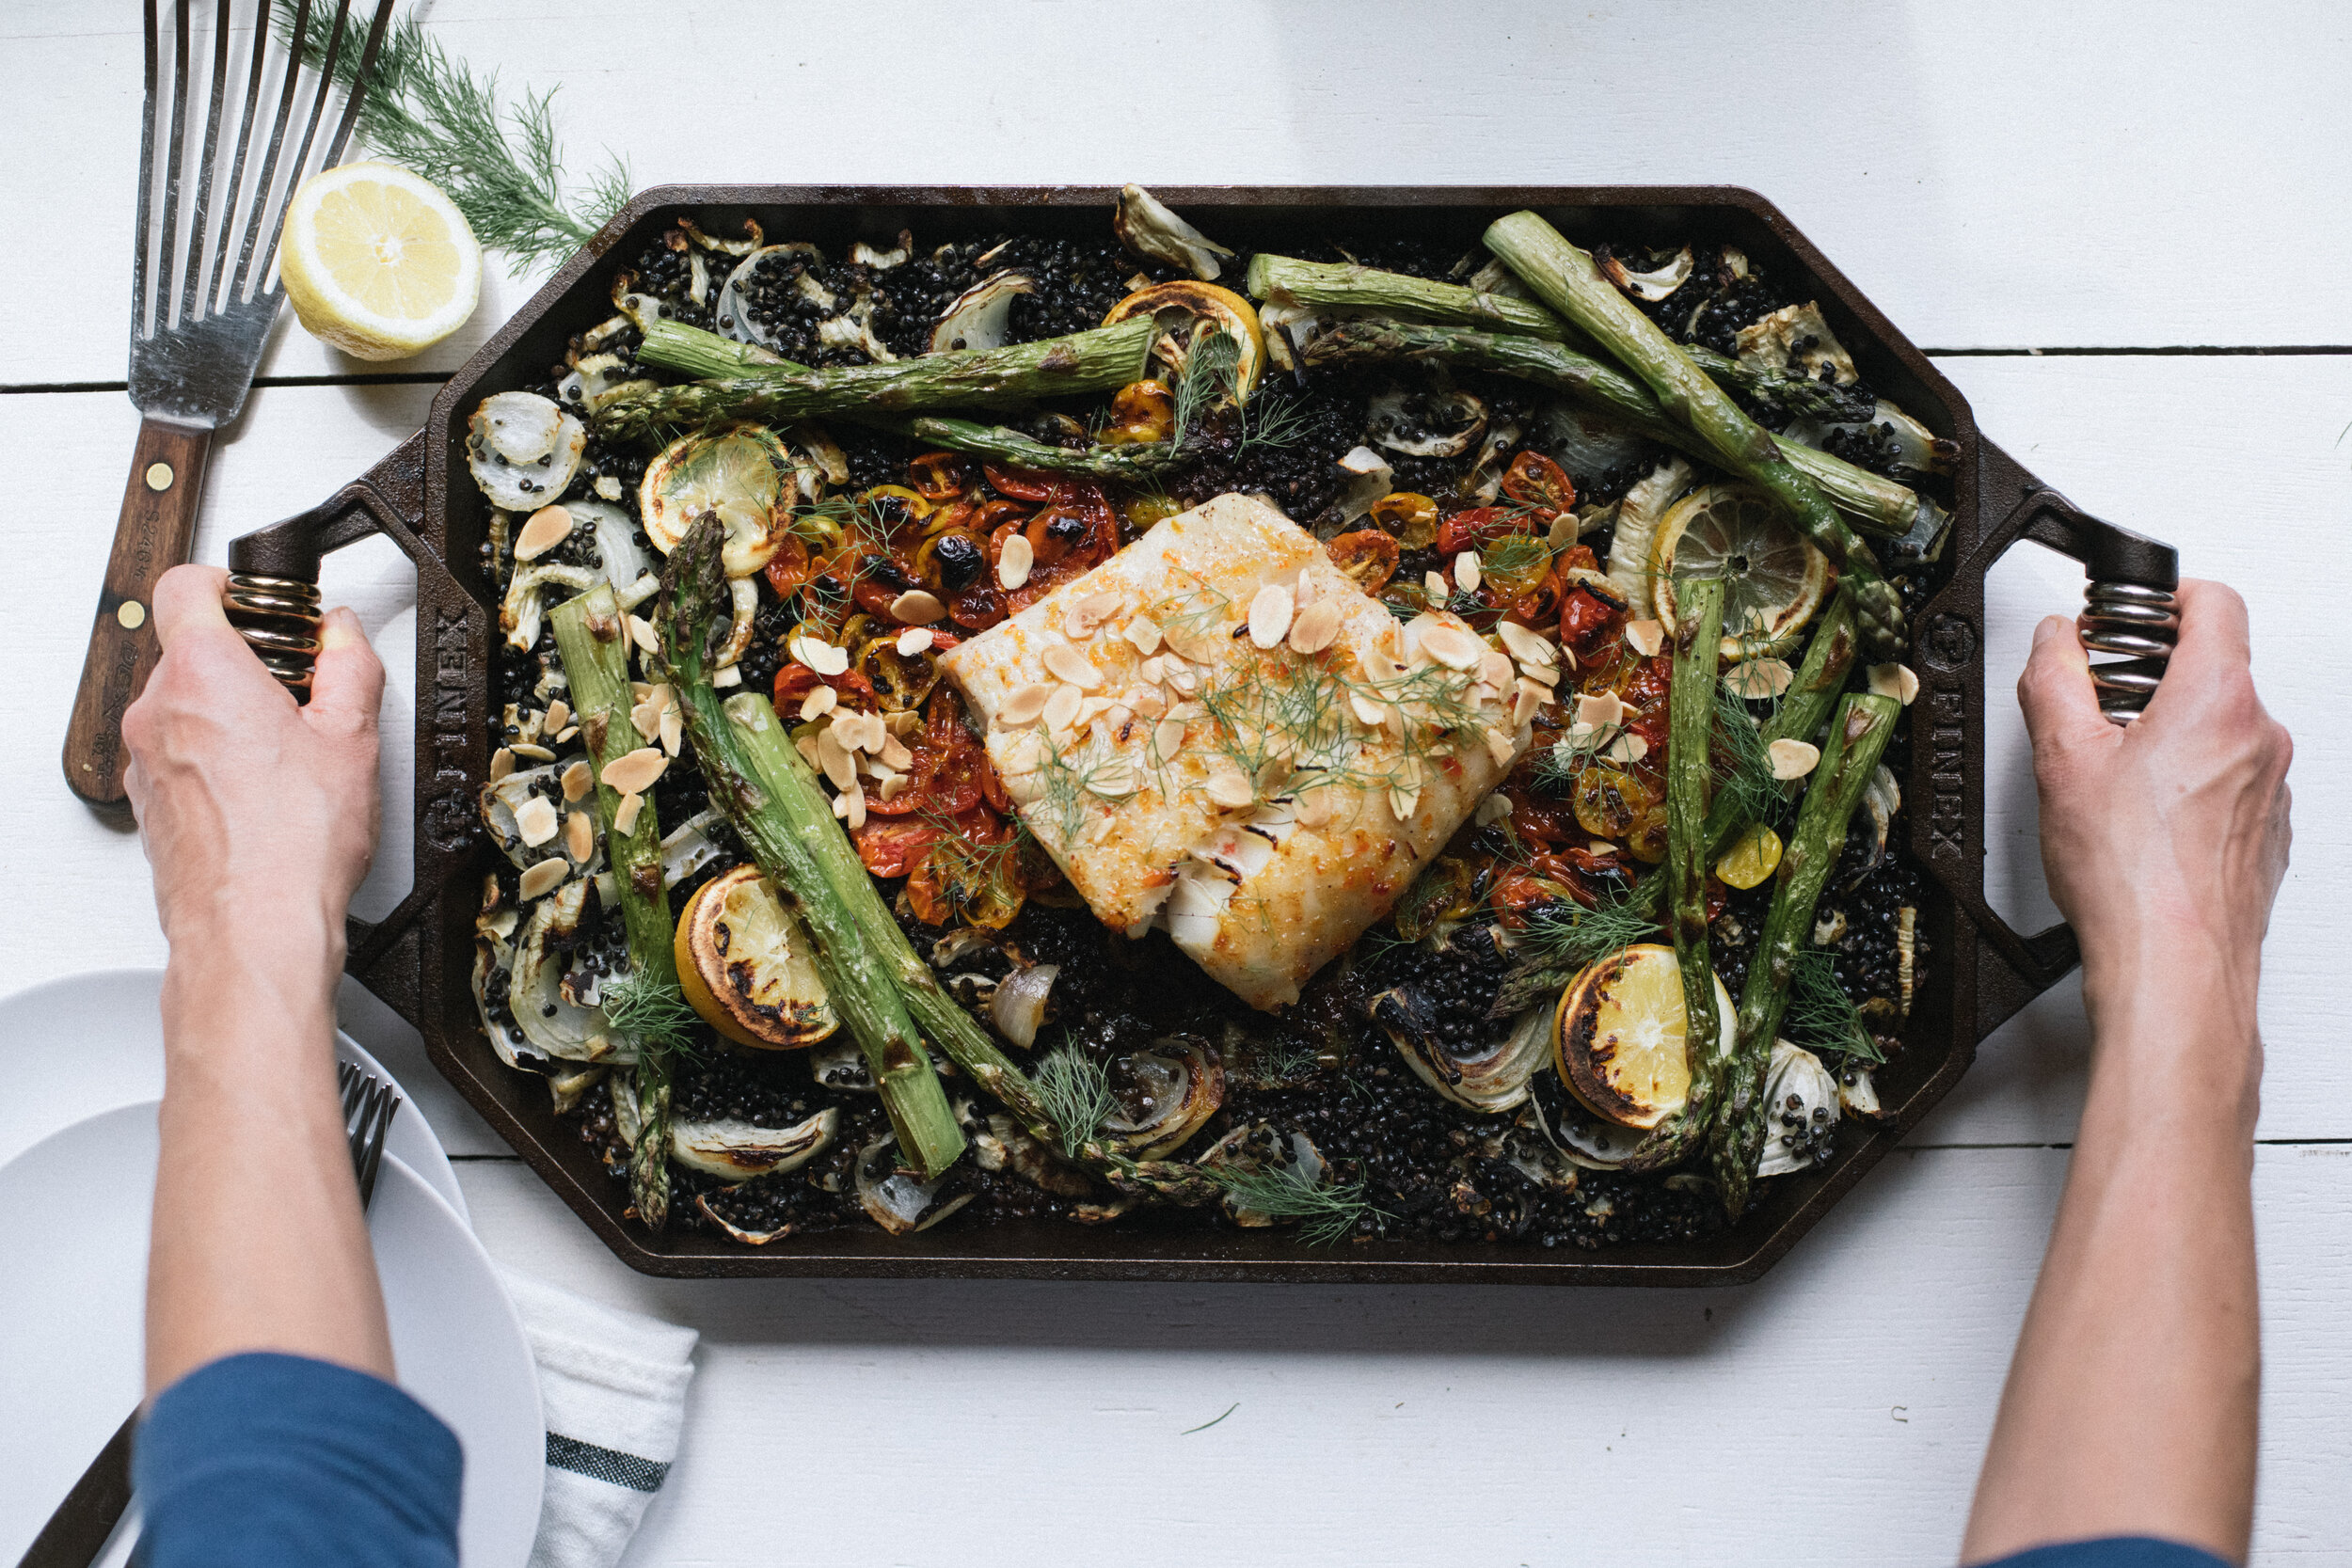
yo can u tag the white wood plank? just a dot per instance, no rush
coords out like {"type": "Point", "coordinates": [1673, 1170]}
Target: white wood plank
{"type": "Point", "coordinates": [1837, 1409]}
{"type": "Point", "coordinates": [2005, 174]}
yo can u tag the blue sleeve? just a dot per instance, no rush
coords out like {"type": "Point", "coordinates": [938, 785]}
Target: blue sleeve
{"type": "Point", "coordinates": [262, 1461]}
{"type": "Point", "coordinates": [2122, 1551]}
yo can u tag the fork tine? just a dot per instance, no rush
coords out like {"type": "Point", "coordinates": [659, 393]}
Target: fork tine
{"type": "Point", "coordinates": [359, 84]}
{"type": "Point", "coordinates": [236, 167]}
{"type": "Point", "coordinates": [269, 157]}
{"type": "Point", "coordinates": [380, 1127]}
{"type": "Point", "coordinates": [147, 185]}
{"type": "Point", "coordinates": [310, 130]}
{"type": "Point", "coordinates": [197, 230]}
{"type": "Point", "coordinates": [168, 263]}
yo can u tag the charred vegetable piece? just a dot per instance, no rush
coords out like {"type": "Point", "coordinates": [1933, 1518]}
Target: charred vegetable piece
{"type": "Point", "coordinates": [1857, 737]}
{"type": "Point", "coordinates": [1564, 278]}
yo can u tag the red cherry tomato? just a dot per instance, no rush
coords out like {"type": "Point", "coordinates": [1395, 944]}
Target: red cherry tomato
{"type": "Point", "coordinates": [1021, 484]}
{"type": "Point", "coordinates": [1590, 620]}
{"type": "Point", "coordinates": [794, 682]}
{"type": "Point", "coordinates": [886, 846]}
{"type": "Point", "coordinates": [1473, 529]}
{"type": "Point", "coordinates": [1536, 482]}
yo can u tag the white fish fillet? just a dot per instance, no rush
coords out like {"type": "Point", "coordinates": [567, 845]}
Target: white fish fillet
{"type": "Point", "coordinates": [1257, 899]}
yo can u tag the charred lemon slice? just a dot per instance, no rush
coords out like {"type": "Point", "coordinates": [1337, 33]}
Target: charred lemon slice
{"type": "Point", "coordinates": [1773, 578]}
{"type": "Point", "coordinates": [1619, 1038]}
{"type": "Point", "coordinates": [745, 964]}
{"type": "Point", "coordinates": [1189, 314]}
{"type": "Point", "coordinates": [741, 472]}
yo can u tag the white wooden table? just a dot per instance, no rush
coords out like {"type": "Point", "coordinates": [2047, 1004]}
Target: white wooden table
{"type": "Point", "coordinates": [2104, 220]}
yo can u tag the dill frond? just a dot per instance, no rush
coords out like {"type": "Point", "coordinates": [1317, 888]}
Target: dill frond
{"type": "Point", "coordinates": [502, 166]}
{"type": "Point", "coordinates": [1573, 937]}
{"type": "Point", "coordinates": [1272, 422]}
{"type": "Point", "coordinates": [653, 1014]}
{"type": "Point", "coordinates": [1212, 370]}
{"type": "Point", "coordinates": [1822, 1016]}
{"type": "Point", "coordinates": [1327, 1215]}
{"type": "Point", "coordinates": [1075, 1094]}
{"type": "Point", "coordinates": [1746, 771]}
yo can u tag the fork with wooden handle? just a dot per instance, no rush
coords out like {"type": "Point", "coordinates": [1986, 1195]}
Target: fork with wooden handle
{"type": "Point", "coordinates": [199, 317]}
{"type": "Point", "coordinates": [84, 1522]}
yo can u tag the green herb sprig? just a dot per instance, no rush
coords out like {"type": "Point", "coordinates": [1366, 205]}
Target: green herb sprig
{"type": "Point", "coordinates": [1822, 1016]}
{"type": "Point", "coordinates": [1075, 1095]}
{"type": "Point", "coordinates": [432, 114]}
{"type": "Point", "coordinates": [1327, 1214]}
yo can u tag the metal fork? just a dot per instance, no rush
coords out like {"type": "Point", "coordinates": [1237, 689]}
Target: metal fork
{"type": "Point", "coordinates": [80, 1528]}
{"type": "Point", "coordinates": [202, 298]}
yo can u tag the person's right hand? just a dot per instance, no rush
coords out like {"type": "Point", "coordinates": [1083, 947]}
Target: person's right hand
{"type": "Point", "coordinates": [258, 815]}
{"type": "Point", "coordinates": [2165, 839]}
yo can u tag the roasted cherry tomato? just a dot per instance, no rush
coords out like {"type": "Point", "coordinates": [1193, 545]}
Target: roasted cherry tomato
{"type": "Point", "coordinates": [1591, 619]}
{"type": "Point", "coordinates": [942, 476]}
{"type": "Point", "coordinates": [1473, 529]}
{"type": "Point", "coordinates": [788, 567]}
{"type": "Point", "coordinates": [888, 845]}
{"type": "Point", "coordinates": [1142, 411]}
{"type": "Point", "coordinates": [1537, 482]}
{"type": "Point", "coordinates": [947, 563]}
{"type": "Point", "coordinates": [1411, 517]}
{"type": "Point", "coordinates": [1368, 558]}
{"type": "Point", "coordinates": [794, 682]}
{"type": "Point", "coordinates": [1520, 893]}
{"type": "Point", "coordinates": [1025, 485]}
{"type": "Point", "coordinates": [944, 778]}
{"type": "Point", "coordinates": [978, 606]}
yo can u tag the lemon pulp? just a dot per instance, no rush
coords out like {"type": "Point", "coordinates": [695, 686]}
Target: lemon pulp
{"type": "Point", "coordinates": [1773, 578]}
{"type": "Point", "coordinates": [377, 261]}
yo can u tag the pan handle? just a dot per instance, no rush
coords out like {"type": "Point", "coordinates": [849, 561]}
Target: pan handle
{"type": "Point", "coordinates": [273, 599]}
{"type": "Point", "coordinates": [1948, 739]}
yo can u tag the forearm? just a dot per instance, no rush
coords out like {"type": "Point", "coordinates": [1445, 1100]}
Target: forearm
{"type": "Point", "coordinates": [259, 1242]}
{"type": "Point", "coordinates": [2130, 1407]}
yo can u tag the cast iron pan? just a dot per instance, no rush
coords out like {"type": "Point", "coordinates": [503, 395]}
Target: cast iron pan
{"type": "Point", "coordinates": [418, 958]}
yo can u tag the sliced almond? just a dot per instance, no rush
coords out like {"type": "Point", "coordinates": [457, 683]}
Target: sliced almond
{"type": "Point", "coordinates": [544, 878]}
{"type": "Point", "coordinates": [1547, 674]}
{"type": "Point", "coordinates": [548, 528]}
{"type": "Point", "coordinates": [894, 754]}
{"type": "Point", "coordinates": [1067, 662]}
{"type": "Point", "coordinates": [1313, 807]}
{"type": "Point", "coordinates": [1085, 617]}
{"type": "Point", "coordinates": [824, 658]}
{"type": "Point", "coordinates": [1629, 749]}
{"type": "Point", "coordinates": [1467, 573]}
{"type": "Point", "coordinates": [1645, 637]}
{"type": "Point", "coordinates": [1500, 744]}
{"type": "Point", "coordinates": [1184, 679]}
{"type": "Point", "coordinates": [579, 835]}
{"type": "Point", "coordinates": [641, 633]}
{"type": "Point", "coordinates": [1270, 611]}
{"type": "Point", "coordinates": [1896, 681]}
{"type": "Point", "coordinates": [1370, 711]}
{"type": "Point", "coordinates": [1112, 781]}
{"type": "Point", "coordinates": [729, 675]}
{"type": "Point", "coordinates": [806, 745]}
{"type": "Point", "coordinates": [1402, 801]}
{"type": "Point", "coordinates": [1025, 705]}
{"type": "Point", "coordinates": [1563, 531]}
{"type": "Point", "coordinates": [501, 764]}
{"type": "Point", "coordinates": [1601, 710]}
{"type": "Point", "coordinates": [564, 736]}
{"type": "Point", "coordinates": [915, 639]}
{"type": "Point", "coordinates": [1433, 586]}
{"type": "Point", "coordinates": [1061, 708]}
{"type": "Point", "coordinates": [851, 803]}
{"type": "Point", "coordinates": [624, 815]}
{"type": "Point", "coordinates": [1013, 566]}
{"type": "Point", "coordinates": [1227, 786]}
{"type": "Point", "coordinates": [819, 702]}
{"type": "Point", "coordinates": [1314, 627]}
{"type": "Point", "coordinates": [672, 729]}
{"type": "Point", "coordinates": [1757, 679]}
{"type": "Point", "coordinates": [834, 760]}
{"type": "Point", "coordinates": [1526, 646]}
{"type": "Point", "coordinates": [915, 608]}
{"type": "Point", "coordinates": [892, 788]}
{"type": "Point", "coordinates": [1167, 737]}
{"type": "Point", "coordinates": [578, 779]}
{"type": "Point", "coordinates": [1793, 759]}
{"type": "Point", "coordinates": [1091, 709]}
{"type": "Point", "coordinates": [634, 773]}
{"type": "Point", "coordinates": [1455, 647]}
{"type": "Point", "coordinates": [536, 821]}
{"type": "Point", "coordinates": [903, 724]}
{"type": "Point", "coordinates": [1143, 634]}
{"type": "Point", "coordinates": [559, 715]}
{"type": "Point", "coordinates": [645, 718]}
{"type": "Point", "coordinates": [536, 754]}
{"type": "Point", "coordinates": [1529, 698]}
{"type": "Point", "coordinates": [1146, 699]}
{"type": "Point", "coordinates": [1495, 669]}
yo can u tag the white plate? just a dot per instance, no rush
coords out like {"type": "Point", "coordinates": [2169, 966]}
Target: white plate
{"type": "Point", "coordinates": [72, 1284]}
{"type": "Point", "coordinates": [92, 1042]}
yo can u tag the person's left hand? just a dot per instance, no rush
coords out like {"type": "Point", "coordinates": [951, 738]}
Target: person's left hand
{"type": "Point", "coordinates": [254, 810]}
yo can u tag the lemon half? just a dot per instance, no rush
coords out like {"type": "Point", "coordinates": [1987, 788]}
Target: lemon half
{"type": "Point", "coordinates": [377, 261]}
{"type": "Point", "coordinates": [1619, 1038]}
{"type": "Point", "coordinates": [1773, 578]}
{"type": "Point", "coordinates": [746, 964]}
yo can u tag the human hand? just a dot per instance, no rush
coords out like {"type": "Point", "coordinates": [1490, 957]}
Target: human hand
{"type": "Point", "coordinates": [256, 813]}
{"type": "Point", "coordinates": [2168, 837]}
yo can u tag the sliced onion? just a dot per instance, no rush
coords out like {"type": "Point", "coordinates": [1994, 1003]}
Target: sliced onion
{"type": "Point", "coordinates": [1019, 1006]}
{"type": "Point", "coordinates": [1369, 479]}
{"type": "Point", "coordinates": [616, 541]}
{"type": "Point", "coordinates": [510, 422]}
{"type": "Point", "coordinates": [685, 849]}
{"type": "Point", "coordinates": [738, 1150]}
{"type": "Point", "coordinates": [1801, 1105]}
{"type": "Point", "coordinates": [1147, 228]}
{"type": "Point", "coordinates": [1166, 1094]}
{"type": "Point", "coordinates": [897, 1202]}
{"type": "Point", "coordinates": [733, 320]}
{"type": "Point", "coordinates": [1426, 424]}
{"type": "Point", "coordinates": [981, 314]}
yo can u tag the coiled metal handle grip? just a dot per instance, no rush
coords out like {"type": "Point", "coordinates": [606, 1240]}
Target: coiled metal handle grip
{"type": "Point", "coordinates": [2137, 622]}
{"type": "Point", "coordinates": [278, 619]}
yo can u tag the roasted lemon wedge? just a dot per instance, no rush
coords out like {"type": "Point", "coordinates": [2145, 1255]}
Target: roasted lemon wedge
{"type": "Point", "coordinates": [745, 964]}
{"type": "Point", "coordinates": [1189, 315]}
{"type": "Point", "coordinates": [1619, 1038]}
{"type": "Point", "coordinates": [377, 261]}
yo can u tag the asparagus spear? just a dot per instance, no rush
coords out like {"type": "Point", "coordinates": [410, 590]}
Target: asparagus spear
{"type": "Point", "coordinates": [778, 767]}
{"type": "Point", "coordinates": [1092, 361]}
{"type": "Point", "coordinates": [691, 350]}
{"type": "Point", "coordinates": [1857, 737]}
{"type": "Point", "coordinates": [646, 1004]}
{"type": "Point", "coordinates": [1349, 287]}
{"type": "Point", "coordinates": [1690, 775]}
{"type": "Point", "coordinates": [793, 836]}
{"type": "Point", "coordinates": [1875, 503]}
{"type": "Point", "coordinates": [1566, 278]}
{"type": "Point", "coordinates": [1799, 397]}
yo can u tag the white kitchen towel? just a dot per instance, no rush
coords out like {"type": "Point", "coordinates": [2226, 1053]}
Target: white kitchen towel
{"type": "Point", "coordinates": [613, 1384]}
